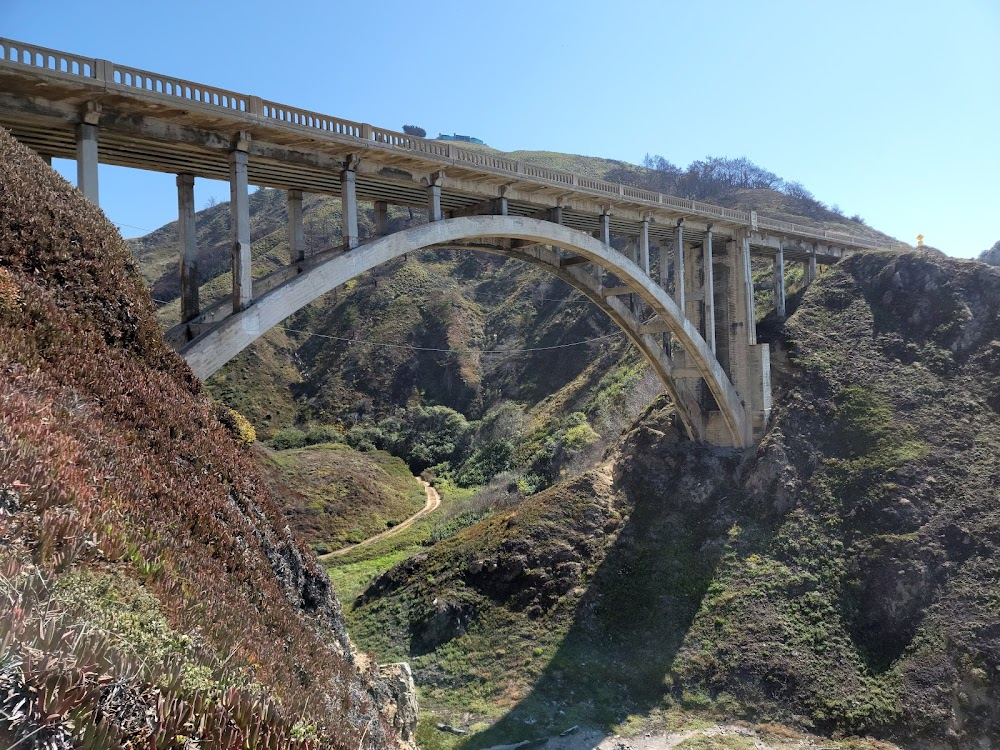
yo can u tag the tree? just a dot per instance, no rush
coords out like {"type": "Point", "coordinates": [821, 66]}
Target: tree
{"type": "Point", "coordinates": [416, 130]}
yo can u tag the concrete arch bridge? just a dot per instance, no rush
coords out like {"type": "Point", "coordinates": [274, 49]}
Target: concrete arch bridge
{"type": "Point", "coordinates": [681, 288]}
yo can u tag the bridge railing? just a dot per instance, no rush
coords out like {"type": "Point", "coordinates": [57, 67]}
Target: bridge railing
{"type": "Point", "coordinates": [49, 59]}
{"type": "Point", "coordinates": [155, 83]}
{"type": "Point", "coordinates": [266, 111]}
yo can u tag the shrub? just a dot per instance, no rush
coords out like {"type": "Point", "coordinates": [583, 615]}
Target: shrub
{"type": "Point", "coordinates": [237, 425]}
{"type": "Point", "coordinates": [287, 438]}
{"type": "Point", "coordinates": [324, 434]}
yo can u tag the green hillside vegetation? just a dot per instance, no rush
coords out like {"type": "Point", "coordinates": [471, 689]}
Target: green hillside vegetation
{"type": "Point", "coordinates": [150, 596]}
{"type": "Point", "coordinates": [334, 496]}
{"type": "Point", "coordinates": [843, 577]}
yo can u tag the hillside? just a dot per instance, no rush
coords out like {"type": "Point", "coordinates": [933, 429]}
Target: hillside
{"type": "Point", "coordinates": [334, 496]}
{"type": "Point", "coordinates": [153, 594]}
{"type": "Point", "coordinates": [843, 577]}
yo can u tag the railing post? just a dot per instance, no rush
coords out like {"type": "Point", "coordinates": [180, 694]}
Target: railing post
{"type": "Point", "coordinates": [187, 238]}
{"type": "Point", "coordinates": [239, 208]}
{"type": "Point", "coordinates": [103, 70]}
{"type": "Point", "coordinates": [255, 105]}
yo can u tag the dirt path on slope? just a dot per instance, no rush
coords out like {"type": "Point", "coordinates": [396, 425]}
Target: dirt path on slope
{"type": "Point", "coordinates": [432, 504]}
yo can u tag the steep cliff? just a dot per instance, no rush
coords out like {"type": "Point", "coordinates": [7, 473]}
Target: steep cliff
{"type": "Point", "coordinates": [150, 593]}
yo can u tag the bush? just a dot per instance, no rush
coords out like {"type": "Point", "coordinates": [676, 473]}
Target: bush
{"type": "Point", "coordinates": [288, 438]}
{"type": "Point", "coordinates": [486, 462]}
{"type": "Point", "coordinates": [324, 434]}
{"type": "Point", "coordinates": [237, 425]}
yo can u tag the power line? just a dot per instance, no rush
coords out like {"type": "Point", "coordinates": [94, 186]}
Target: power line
{"type": "Point", "coordinates": [451, 351]}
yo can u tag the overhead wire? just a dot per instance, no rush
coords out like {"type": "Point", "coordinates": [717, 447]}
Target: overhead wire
{"type": "Point", "coordinates": [409, 347]}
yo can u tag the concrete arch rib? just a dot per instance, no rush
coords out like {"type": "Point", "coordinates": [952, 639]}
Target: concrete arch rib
{"type": "Point", "coordinates": [212, 349]}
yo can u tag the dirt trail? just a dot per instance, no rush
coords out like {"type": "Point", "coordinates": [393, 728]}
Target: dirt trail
{"type": "Point", "coordinates": [433, 502]}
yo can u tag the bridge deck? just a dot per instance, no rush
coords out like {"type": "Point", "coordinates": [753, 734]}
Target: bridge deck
{"type": "Point", "coordinates": [156, 122]}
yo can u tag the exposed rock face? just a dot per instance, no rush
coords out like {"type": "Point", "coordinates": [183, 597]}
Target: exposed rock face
{"type": "Point", "coordinates": [991, 256]}
{"type": "Point", "coordinates": [402, 709]}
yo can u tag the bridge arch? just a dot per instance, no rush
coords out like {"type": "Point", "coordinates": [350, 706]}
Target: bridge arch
{"type": "Point", "coordinates": [207, 353]}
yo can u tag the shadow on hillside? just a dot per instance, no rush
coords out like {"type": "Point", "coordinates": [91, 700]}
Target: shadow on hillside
{"type": "Point", "coordinates": [616, 658]}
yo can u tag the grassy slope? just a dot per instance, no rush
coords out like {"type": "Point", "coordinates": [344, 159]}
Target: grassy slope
{"type": "Point", "coordinates": [334, 496]}
{"type": "Point", "coordinates": [843, 578]}
{"type": "Point", "coordinates": [139, 554]}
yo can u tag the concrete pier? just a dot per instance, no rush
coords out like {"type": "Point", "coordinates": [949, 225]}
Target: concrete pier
{"type": "Point", "coordinates": [86, 161]}
{"type": "Point", "coordinates": [187, 238]}
{"type": "Point", "coordinates": [349, 203]}
{"type": "Point", "coordinates": [709, 274]}
{"type": "Point", "coordinates": [239, 207]}
{"type": "Point", "coordinates": [381, 218]}
{"type": "Point", "coordinates": [679, 264]}
{"type": "Point", "coordinates": [296, 231]}
{"type": "Point", "coordinates": [779, 282]}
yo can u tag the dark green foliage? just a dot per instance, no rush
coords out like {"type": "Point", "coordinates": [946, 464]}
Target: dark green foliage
{"type": "Point", "coordinates": [486, 461]}
{"type": "Point", "coordinates": [324, 434]}
{"type": "Point", "coordinates": [290, 437]}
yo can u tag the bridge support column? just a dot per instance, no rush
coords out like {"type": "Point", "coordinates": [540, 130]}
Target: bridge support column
{"type": "Point", "coordinates": [747, 362]}
{"type": "Point", "coordinates": [679, 265]}
{"type": "Point", "coordinates": [644, 246]}
{"type": "Point", "coordinates": [779, 282]}
{"type": "Point", "coordinates": [46, 158]}
{"type": "Point", "coordinates": [811, 271]}
{"type": "Point", "coordinates": [709, 286]}
{"type": "Point", "coordinates": [296, 232]}
{"type": "Point", "coordinates": [349, 207]}
{"type": "Point", "coordinates": [239, 208]}
{"type": "Point", "coordinates": [188, 240]}
{"type": "Point", "coordinates": [381, 218]}
{"type": "Point", "coordinates": [434, 198]}
{"type": "Point", "coordinates": [604, 235]}
{"type": "Point", "coordinates": [86, 161]}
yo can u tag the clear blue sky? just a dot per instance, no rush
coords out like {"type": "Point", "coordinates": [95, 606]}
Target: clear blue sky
{"type": "Point", "coordinates": [889, 108]}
